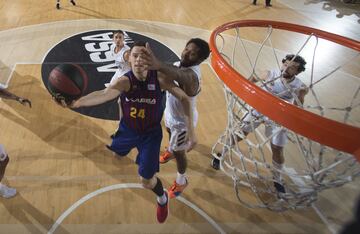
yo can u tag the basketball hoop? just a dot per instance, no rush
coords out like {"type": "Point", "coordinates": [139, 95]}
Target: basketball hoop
{"type": "Point", "coordinates": [324, 134]}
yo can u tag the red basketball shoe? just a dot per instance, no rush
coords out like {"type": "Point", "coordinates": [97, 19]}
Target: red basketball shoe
{"type": "Point", "coordinates": [163, 210]}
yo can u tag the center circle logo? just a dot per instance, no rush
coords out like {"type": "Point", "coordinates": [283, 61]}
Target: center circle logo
{"type": "Point", "coordinates": [91, 50]}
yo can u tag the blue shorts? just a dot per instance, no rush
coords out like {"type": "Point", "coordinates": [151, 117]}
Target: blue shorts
{"type": "Point", "coordinates": [147, 144]}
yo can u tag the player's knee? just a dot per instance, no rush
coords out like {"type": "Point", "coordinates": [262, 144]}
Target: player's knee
{"type": "Point", "coordinates": [148, 183]}
{"type": "Point", "coordinates": [179, 154]}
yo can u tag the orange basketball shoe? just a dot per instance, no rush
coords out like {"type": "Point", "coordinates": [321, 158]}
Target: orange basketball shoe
{"type": "Point", "coordinates": [177, 189]}
{"type": "Point", "coordinates": [166, 156]}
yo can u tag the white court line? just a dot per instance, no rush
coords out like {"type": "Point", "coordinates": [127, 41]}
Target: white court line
{"type": "Point", "coordinates": [102, 29]}
{"type": "Point", "coordinates": [123, 186]}
{"type": "Point", "coordinates": [124, 21]}
{"type": "Point", "coordinates": [202, 213]}
{"type": "Point", "coordinates": [324, 219]}
{"type": "Point", "coordinates": [76, 21]}
{"type": "Point", "coordinates": [13, 68]}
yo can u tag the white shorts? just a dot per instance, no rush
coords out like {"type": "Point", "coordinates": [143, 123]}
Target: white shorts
{"type": "Point", "coordinates": [278, 135]}
{"type": "Point", "coordinates": [179, 131]}
{"type": "Point", "coordinates": [179, 137]}
{"type": "Point", "coordinates": [3, 154]}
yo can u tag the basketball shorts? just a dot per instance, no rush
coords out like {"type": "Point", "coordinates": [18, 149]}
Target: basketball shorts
{"type": "Point", "coordinates": [3, 154]}
{"type": "Point", "coordinates": [278, 135]}
{"type": "Point", "coordinates": [179, 132]}
{"type": "Point", "coordinates": [147, 144]}
{"type": "Point", "coordinates": [179, 138]}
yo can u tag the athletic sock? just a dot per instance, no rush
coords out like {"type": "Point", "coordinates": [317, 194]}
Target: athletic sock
{"type": "Point", "coordinates": [181, 179]}
{"type": "Point", "coordinates": [158, 189]}
{"type": "Point", "coordinates": [162, 199]}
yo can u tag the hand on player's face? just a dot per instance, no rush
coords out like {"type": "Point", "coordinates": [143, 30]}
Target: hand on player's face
{"type": "Point", "coordinates": [149, 59]}
{"type": "Point", "coordinates": [136, 61]}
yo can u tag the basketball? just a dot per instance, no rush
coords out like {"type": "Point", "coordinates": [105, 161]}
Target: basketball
{"type": "Point", "coordinates": [68, 81]}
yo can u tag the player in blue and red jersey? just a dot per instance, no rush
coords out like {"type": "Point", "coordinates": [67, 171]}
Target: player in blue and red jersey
{"type": "Point", "coordinates": [187, 74]}
{"type": "Point", "coordinates": [142, 104]}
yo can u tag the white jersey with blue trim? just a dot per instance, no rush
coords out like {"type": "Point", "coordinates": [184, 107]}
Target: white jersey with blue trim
{"type": "Point", "coordinates": [122, 66]}
{"type": "Point", "coordinates": [174, 111]}
{"type": "Point", "coordinates": [119, 57]}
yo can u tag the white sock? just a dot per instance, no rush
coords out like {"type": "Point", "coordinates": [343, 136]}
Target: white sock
{"type": "Point", "coordinates": [162, 199]}
{"type": "Point", "coordinates": [181, 179]}
{"type": "Point", "coordinates": [169, 149]}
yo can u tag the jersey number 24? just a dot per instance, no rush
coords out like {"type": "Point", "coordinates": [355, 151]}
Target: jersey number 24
{"type": "Point", "coordinates": [137, 113]}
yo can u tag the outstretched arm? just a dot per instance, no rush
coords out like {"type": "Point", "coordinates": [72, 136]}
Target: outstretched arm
{"type": "Point", "coordinates": [102, 96]}
{"type": "Point", "coordinates": [301, 95]}
{"type": "Point", "coordinates": [262, 76]}
{"type": "Point", "coordinates": [8, 95]}
{"type": "Point", "coordinates": [186, 77]}
{"type": "Point", "coordinates": [186, 103]}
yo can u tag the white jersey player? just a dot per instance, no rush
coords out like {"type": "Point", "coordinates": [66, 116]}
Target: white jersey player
{"type": "Point", "coordinates": [120, 52]}
{"type": "Point", "coordinates": [285, 85]}
{"type": "Point", "coordinates": [175, 118]}
{"type": "Point", "coordinates": [288, 90]}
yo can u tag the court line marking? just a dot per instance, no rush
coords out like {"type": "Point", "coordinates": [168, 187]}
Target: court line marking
{"type": "Point", "coordinates": [102, 29]}
{"type": "Point", "coordinates": [317, 210]}
{"type": "Point", "coordinates": [123, 186]}
{"type": "Point", "coordinates": [154, 23]}
{"type": "Point", "coordinates": [208, 63]}
{"type": "Point", "coordinates": [123, 21]}
{"type": "Point", "coordinates": [324, 219]}
{"type": "Point", "coordinates": [13, 69]}
{"type": "Point", "coordinates": [21, 28]}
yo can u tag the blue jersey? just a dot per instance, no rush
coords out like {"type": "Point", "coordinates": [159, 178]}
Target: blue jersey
{"type": "Point", "coordinates": [143, 105]}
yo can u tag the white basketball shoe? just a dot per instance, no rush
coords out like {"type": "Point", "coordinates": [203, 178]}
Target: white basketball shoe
{"type": "Point", "coordinates": [7, 192]}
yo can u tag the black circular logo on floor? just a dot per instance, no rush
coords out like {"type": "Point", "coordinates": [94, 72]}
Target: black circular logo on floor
{"type": "Point", "coordinates": [91, 50]}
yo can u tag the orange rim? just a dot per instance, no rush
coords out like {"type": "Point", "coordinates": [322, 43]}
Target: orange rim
{"type": "Point", "coordinates": [328, 132]}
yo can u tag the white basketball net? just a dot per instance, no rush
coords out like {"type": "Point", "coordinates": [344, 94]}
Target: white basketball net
{"type": "Point", "coordinates": [309, 166]}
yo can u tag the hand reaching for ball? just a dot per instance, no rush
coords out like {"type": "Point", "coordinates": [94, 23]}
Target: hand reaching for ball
{"type": "Point", "coordinates": [24, 101]}
{"type": "Point", "coordinates": [67, 83]}
{"type": "Point", "coordinates": [60, 100]}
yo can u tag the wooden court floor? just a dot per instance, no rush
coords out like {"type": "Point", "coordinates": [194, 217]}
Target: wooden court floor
{"type": "Point", "coordinates": [58, 158]}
